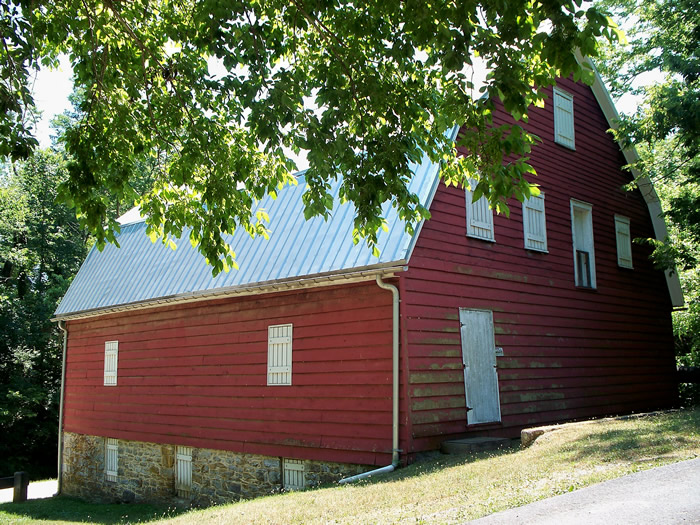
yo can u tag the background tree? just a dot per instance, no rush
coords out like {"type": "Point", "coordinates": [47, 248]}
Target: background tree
{"type": "Point", "coordinates": [217, 93]}
{"type": "Point", "coordinates": [41, 247]}
{"type": "Point", "coordinates": [664, 39]}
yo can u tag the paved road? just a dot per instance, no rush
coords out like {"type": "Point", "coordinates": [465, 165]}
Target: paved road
{"type": "Point", "coordinates": [36, 490]}
{"type": "Point", "coordinates": [660, 496]}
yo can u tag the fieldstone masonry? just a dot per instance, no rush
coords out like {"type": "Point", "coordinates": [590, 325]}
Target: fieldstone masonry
{"type": "Point", "coordinates": [146, 473]}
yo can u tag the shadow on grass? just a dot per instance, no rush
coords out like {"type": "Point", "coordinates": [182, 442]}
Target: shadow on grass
{"type": "Point", "coordinates": [60, 508]}
{"type": "Point", "coordinates": [648, 438]}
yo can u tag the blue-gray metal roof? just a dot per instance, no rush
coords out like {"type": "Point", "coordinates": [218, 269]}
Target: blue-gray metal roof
{"type": "Point", "coordinates": [142, 271]}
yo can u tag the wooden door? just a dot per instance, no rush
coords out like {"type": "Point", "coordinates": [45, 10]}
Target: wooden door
{"type": "Point", "coordinates": [479, 358]}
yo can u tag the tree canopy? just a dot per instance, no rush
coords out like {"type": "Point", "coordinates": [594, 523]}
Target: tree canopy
{"type": "Point", "coordinates": [216, 94]}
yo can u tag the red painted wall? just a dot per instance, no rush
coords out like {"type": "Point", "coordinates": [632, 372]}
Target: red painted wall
{"type": "Point", "coordinates": [569, 353]}
{"type": "Point", "coordinates": [195, 374]}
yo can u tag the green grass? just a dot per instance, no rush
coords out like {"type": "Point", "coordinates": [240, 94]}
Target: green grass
{"type": "Point", "coordinates": [62, 510]}
{"type": "Point", "coordinates": [444, 489]}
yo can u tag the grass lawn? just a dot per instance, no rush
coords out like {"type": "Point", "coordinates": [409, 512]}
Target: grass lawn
{"type": "Point", "coordinates": [445, 489]}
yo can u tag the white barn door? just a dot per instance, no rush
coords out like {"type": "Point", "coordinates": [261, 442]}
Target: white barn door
{"type": "Point", "coordinates": [479, 358]}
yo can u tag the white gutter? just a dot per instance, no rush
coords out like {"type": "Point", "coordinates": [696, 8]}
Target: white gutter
{"type": "Point", "coordinates": [62, 326]}
{"type": "Point", "coordinates": [395, 374]}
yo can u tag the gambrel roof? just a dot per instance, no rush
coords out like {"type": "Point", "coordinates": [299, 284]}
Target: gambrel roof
{"type": "Point", "coordinates": [298, 253]}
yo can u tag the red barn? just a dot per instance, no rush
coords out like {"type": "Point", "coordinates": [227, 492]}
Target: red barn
{"type": "Point", "coordinates": [318, 361]}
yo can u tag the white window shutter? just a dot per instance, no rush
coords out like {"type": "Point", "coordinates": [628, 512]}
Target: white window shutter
{"type": "Point", "coordinates": [293, 474]}
{"type": "Point", "coordinates": [111, 360]}
{"type": "Point", "coordinates": [535, 223]}
{"type": "Point", "coordinates": [624, 241]}
{"type": "Point", "coordinates": [183, 471]}
{"type": "Point", "coordinates": [279, 355]}
{"type": "Point", "coordinates": [479, 217]}
{"type": "Point", "coordinates": [111, 459]}
{"type": "Point", "coordinates": [563, 118]}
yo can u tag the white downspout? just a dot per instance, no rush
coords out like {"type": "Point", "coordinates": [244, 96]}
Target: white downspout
{"type": "Point", "coordinates": [395, 374]}
{"type": "Point", "coordinates": [62, 326]}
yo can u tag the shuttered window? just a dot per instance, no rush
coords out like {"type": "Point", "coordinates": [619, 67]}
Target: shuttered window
{"type": "Point", "coordinates": [293, 474]}
{"type": "Point", "coordinates": [582, 234]}
{"type": "Point", "coordinates": [111, 459]}
{"type": "Point", "coordinates": [563, 118]}
{"type": "Point", "coordinates": [111, 359]}
{"type": "Point", "coordinates": [624, 241]}
{"type": "Point", "coordinates": [183, 471]}
{"type": "Point", "coordinates": [534, 223]}
{"type": "Point", "coordinates": [279, 355]}
{"type": "Point", "coordinates": [479, 217]}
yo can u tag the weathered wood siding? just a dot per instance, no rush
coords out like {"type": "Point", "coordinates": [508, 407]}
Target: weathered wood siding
{"type": "Point", "coordinates": [195, 374]}
{"type": "Point", "coordinates": [569, 353]}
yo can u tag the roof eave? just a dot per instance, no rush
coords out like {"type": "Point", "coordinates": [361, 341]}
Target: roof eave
{"type": "Point", "coordinates": [282, 285]}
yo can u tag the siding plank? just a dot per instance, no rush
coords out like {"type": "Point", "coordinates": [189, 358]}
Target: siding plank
{"type": "Point", "coordinates": [195, 375]}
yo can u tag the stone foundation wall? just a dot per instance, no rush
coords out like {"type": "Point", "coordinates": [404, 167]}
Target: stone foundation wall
{"type": "Point", "coordinates": [146, 473]}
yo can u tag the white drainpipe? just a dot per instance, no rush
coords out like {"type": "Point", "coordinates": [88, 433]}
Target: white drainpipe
{"type": "Point", "coordinates": [62, 326]}
{"type": "Point", "coordinates": [395, 414]}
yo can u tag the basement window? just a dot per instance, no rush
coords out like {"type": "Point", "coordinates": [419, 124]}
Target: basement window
{"type": "Point", "coordinates": [111, 359]}
{"type": "Point", "coordinates": [183, 471]}
{"type": "Point", "coordinates": [111, 459]}
{"type": "Point", "coordinates": [584, 253]}
{"type": "Point", "coordinates": [293, 470]}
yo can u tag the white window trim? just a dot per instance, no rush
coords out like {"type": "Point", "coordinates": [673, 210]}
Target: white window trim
{"type": "Point", "coordinates": [111, 459]}
{"type": "Point", "coordinates": [531, 241]}
{"type": "Point", "coordinates": [294, 477]}
{"type": "Point", "coordinates": [111, 364]}
{"type": "Point", "coordinates": [183, 471]}
{"type": "Point", "coordinates": [483, 230]}
{"type": "Point", "coordinates": [279, 348]}
{"type": "Point", "coordinates": [559, 136]}
{"type": "Point", "coordinates": [622, 226]}
{"type": "Point", "coordinates": [589, 208]}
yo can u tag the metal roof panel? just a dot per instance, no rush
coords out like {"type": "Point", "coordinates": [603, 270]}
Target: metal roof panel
{"type": "Point", "coordinates": [142, 270]}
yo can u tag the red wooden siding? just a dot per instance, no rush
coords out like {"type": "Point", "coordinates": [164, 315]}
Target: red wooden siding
{"type": "Point", "coordinates": [569, 353]}
{"type": "Point", "coordinates": [195, 374]}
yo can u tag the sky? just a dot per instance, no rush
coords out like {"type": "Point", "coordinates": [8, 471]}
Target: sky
{"type": "Point", "coordinates": [51, 91]}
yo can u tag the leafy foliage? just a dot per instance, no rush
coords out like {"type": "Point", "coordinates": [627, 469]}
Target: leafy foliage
{"type": "Point", "coordinates": [663, 40]}
{"type": "Point", "coordinates": [216, 94]}
{"type": "Point", "coordinates": [41, 248]}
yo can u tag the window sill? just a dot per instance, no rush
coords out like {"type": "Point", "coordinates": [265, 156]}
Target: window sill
{"type": "Point", "coordinates": [480, 238]}
{"type": "Point", "coordinates": [484, 426]}
{"type": "Point", "coordinates": [570, 148]}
